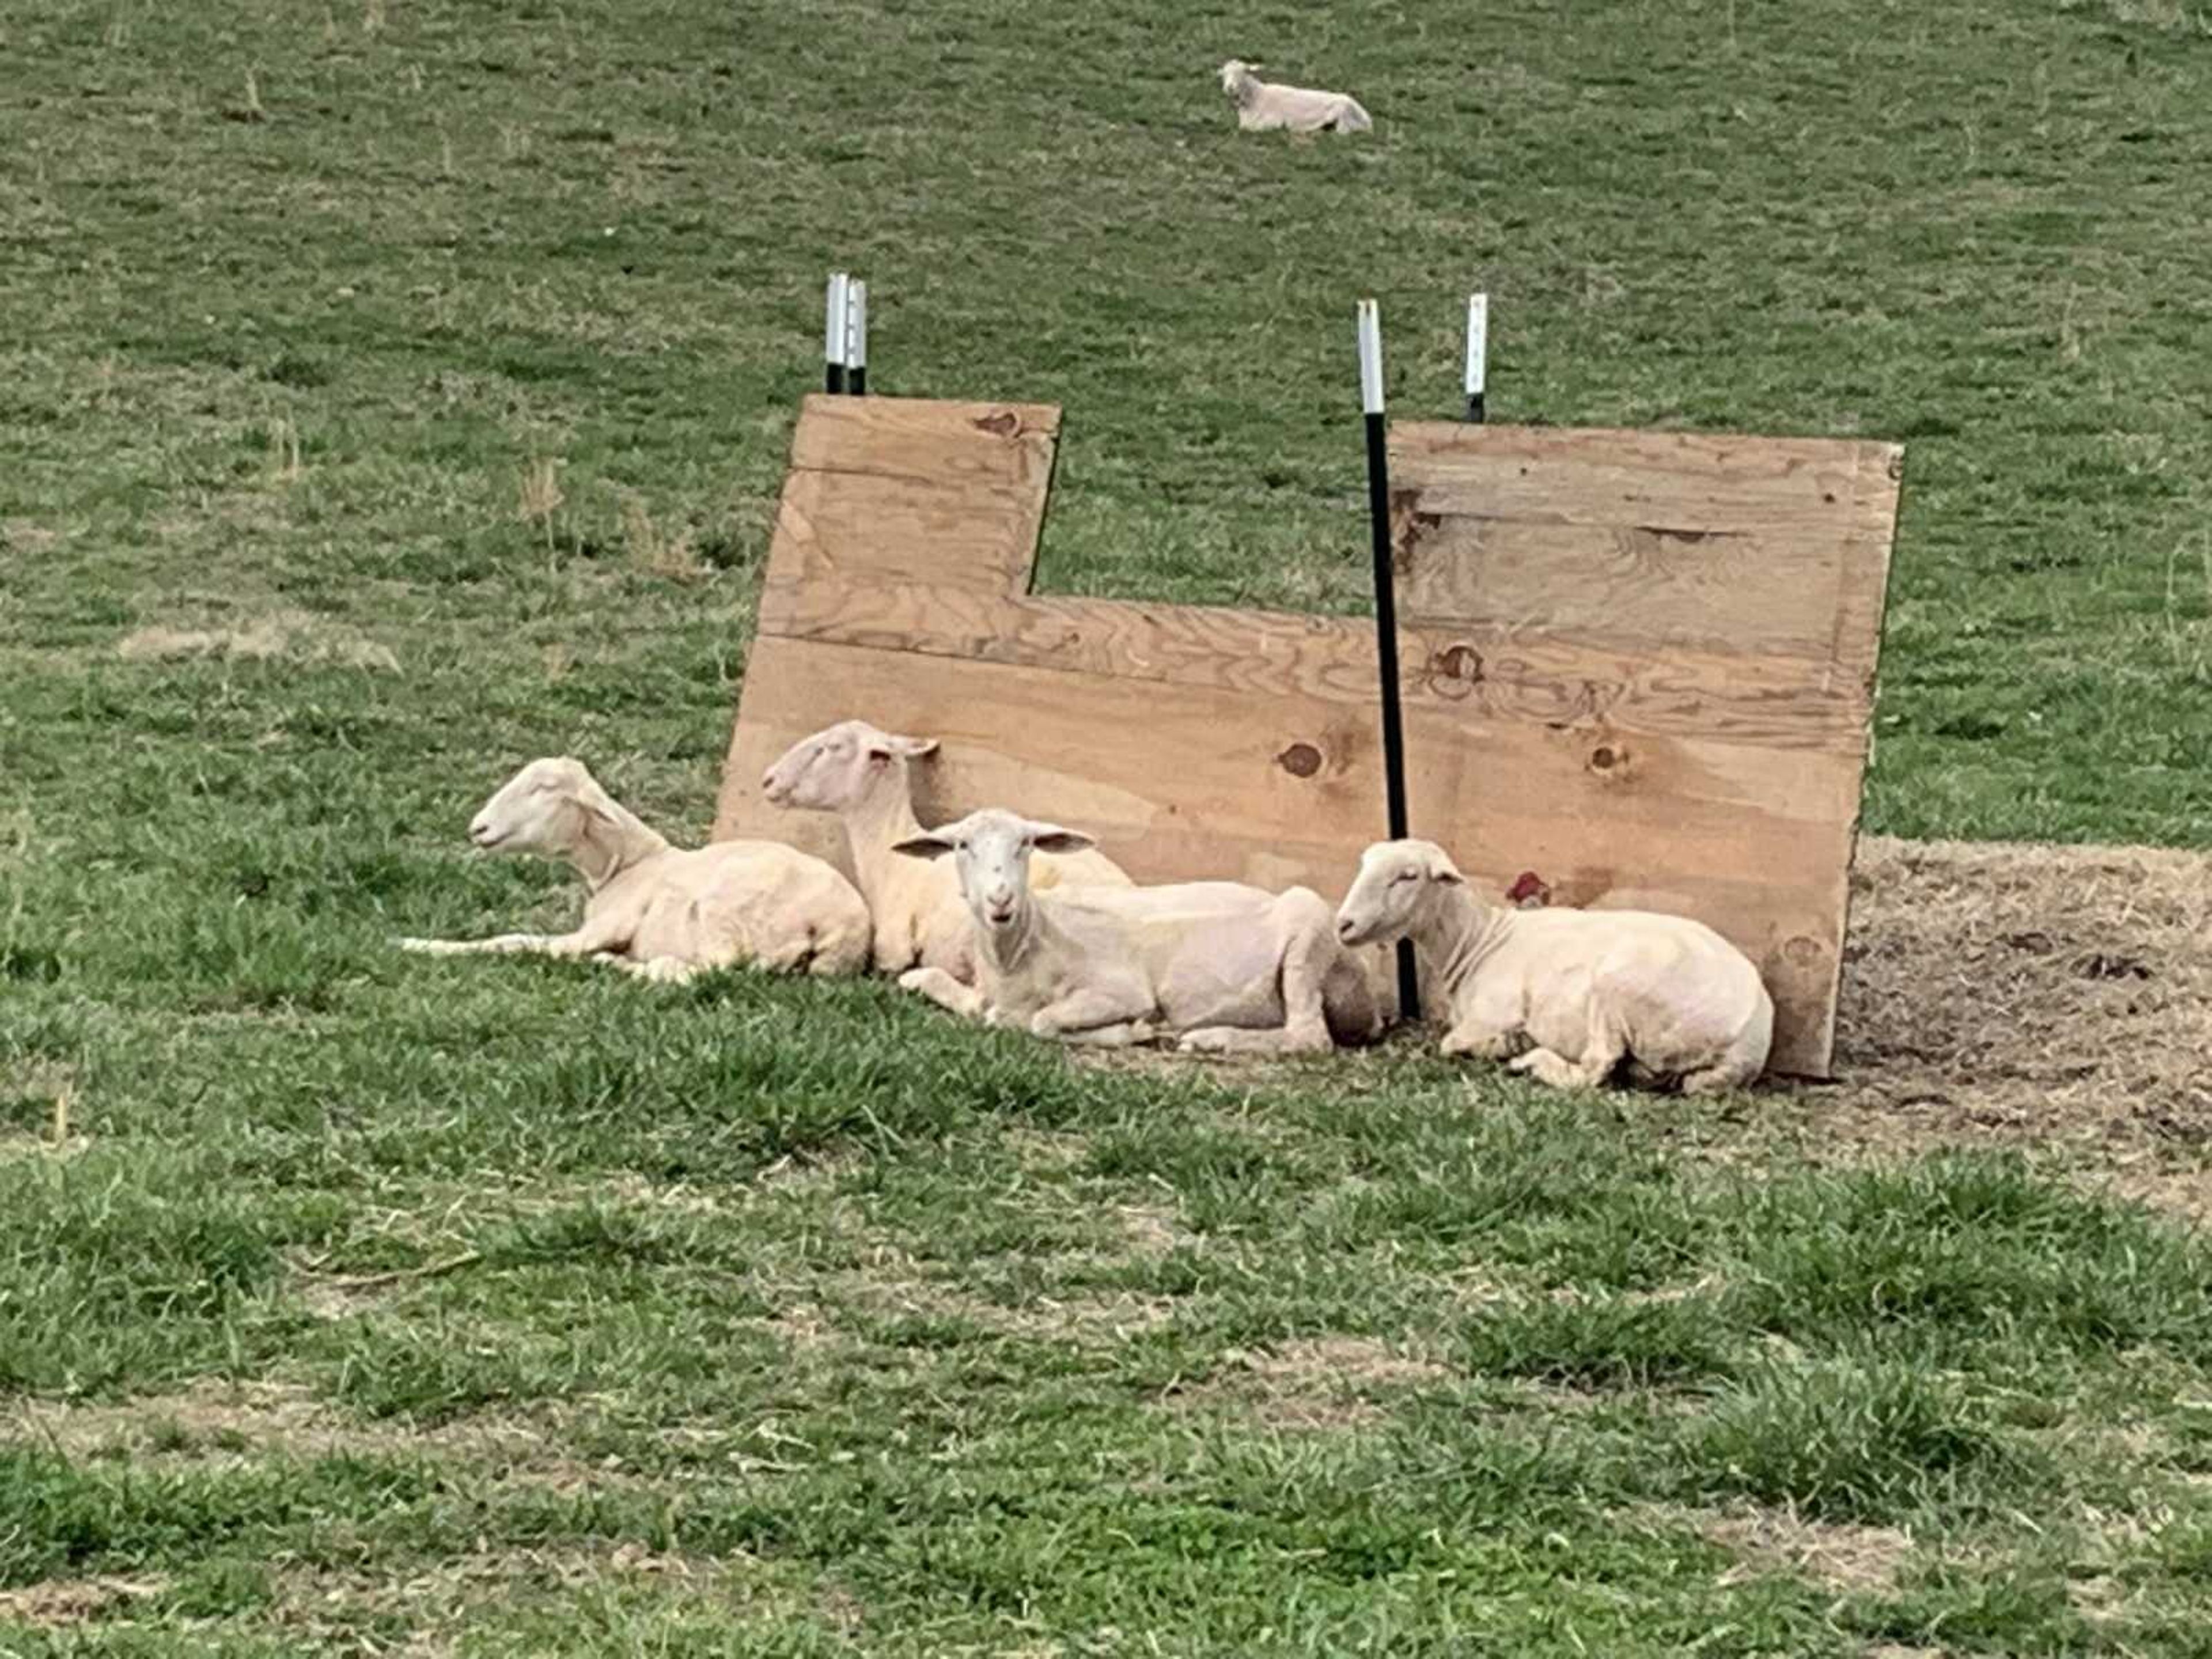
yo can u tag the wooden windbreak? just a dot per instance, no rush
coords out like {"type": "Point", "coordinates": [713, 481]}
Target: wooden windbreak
{"type": "Point", "coordinates": [1640, 665]}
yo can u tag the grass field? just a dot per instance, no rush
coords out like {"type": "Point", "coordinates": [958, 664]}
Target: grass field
{"type": "Point", "coordinates": [393, 391]}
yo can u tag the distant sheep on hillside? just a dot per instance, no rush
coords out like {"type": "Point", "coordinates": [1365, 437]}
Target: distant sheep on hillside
{"type": "Point", "coordinates": [1261, 107]}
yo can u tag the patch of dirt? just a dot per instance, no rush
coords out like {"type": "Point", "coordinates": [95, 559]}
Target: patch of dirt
{"type": "Point", "coordinates": [72, 1601]}
{"type": "Point", "coordinates": [1315, 1383]}
{"type": "Point", "coordinates": [1150, 1231]}
{"type": "Point", "coordinates": [217, 1422]}
{"type": "Point", "coordinates": [1080, 1320]}
{"type": "Point", "coordinates": [1840, 1558]}
{"type": "Point", "coordinates": [290, 635]}
{"type": "Point", "coordinates": [2032, 994]}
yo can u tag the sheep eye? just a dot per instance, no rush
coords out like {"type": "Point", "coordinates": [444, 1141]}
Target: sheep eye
{"type": "Point", "coordinates": [1404, 875]}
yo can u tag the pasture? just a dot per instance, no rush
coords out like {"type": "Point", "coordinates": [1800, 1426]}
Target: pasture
{"type": "Point", "coordinates": [395, 390]}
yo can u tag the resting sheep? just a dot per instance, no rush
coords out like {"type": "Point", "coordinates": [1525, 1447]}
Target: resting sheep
{"type": "Point", "coordinates": [1261, 107]}
{"type": "Point", "coordinates": [861, 774]}
{"type": "Point", "coordinates": [660, 911]}
{"type": "Point", "coordinates": [1579, 991]}
{"type": "Point", "coordinates": [1231, 967]}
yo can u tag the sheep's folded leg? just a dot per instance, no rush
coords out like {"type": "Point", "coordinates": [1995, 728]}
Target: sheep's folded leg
{"type": "Point", "coordinates": [1307, 1037]}
{"type": "Point", "coordinates": [1093, 1016]}
{"type": "Point", "coordinates": [658, 970]}
{"type": "Point", "coordinates": [1479, 1041]}
{"type": "Point", "coordinates": [947, 991]}
{"type": "Point", "coordinates": [1560, 1072]}
{"type": "Point", "coordinates": [1128, 1033]}
{"type": "Point", "coordinates": [550, 944]}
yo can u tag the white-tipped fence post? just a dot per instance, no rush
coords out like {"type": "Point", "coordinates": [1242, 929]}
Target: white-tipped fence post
{"type": "Point", "coordinates": [856, 338]}
{"type": "Point", "coordinates": [1478, 351]}
{"type": "Point", "coordinates": [834, 332]}
{"type": "Point", "coordinates": [1386, 617]}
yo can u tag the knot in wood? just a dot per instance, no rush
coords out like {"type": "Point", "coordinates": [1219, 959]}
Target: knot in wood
{"type": "Point", "coordinates": [1000, 425]}
{"type": "Point", "coordinates": [1300, 760]}
{"type": "Point", "coordinates": [1454, 670]}
{"type": "Point", "coordinates": [1610, 759]}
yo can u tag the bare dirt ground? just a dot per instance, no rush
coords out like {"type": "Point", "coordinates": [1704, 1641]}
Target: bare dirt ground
{"type": "Point", "coordinates": [2048, 995]}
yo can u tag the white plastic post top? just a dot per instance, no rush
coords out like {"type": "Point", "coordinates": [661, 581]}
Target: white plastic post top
{"type": "Point", "coordinates": [833, 328]}
{"type": "Point", "coordinates": [1371, 357]}
{"type": "Point", "coordinates": [1478, 341]}
{"type": "Point", "coordinates": [856, 325]}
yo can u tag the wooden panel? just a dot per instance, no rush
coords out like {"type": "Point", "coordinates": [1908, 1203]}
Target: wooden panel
{"type": "Point", "coordinates": [1277, 786]}
{"type": "Point", "coordinates": [1638, 663]}
{"type": "Point", "coordinates": [890, 489]}
{"type": "Point", "coordinates": [1499, 672]}
{"type": "Point", "coordinates": [1749, 546]}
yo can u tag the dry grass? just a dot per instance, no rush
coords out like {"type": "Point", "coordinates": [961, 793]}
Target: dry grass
{"type": "Point", "coordinates": [57, 1601]}
{"type": "Point", "coordinates": [281, 636]}
{"type": "Point", "coordinates": [1315, 1383]}
{"type": "Point", "coordinates": [2023, 993]}
{"type": "Point", "coordinates": [540, 496]}
{"type": "Point", "coordinates": [669, 555]}
{"type": "Point", "coordinates": [1840, 1558]}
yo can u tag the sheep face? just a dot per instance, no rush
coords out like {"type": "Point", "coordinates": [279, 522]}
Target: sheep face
{"type": "Point", "coordinates": [991, 850]}
{"type": "Point", "coordinates": [536, 810]}
{"type": "Point", "coordinates": [840, 767]}
{"type": "Point", "coordinates": [1236, 79]}
{"type": "Point", "coordinates": [1398, 881]}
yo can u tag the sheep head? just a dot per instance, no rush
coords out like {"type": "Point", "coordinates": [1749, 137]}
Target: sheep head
{"type": "Point", "coordinates": [1237, 79]}
{"type": "Point", "coordinates": [842, 767]}
{"type": "Point", "coordinates": [991, 849]}
{"type": "Point", "coordinates": [1397, 883]}
{"type": "Point", "coordinates": [541, 809]}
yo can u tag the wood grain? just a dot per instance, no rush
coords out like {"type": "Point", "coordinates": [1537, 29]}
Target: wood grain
{"type": "Point", "coordinates": [1753, 547]}
{"type": "Point", "coordinates": [885, 488]}
{"type": "Point", "coordinates": [1503, 673]}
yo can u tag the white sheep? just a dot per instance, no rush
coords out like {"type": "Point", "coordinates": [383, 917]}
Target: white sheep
{"type": "Point", "coordinates": [1230, 968]}
{"type": "Point", "coordinates": [862, 773]}
{"type": "Point", "coordinates": [1261, 107]}
{"type": "Point", "coordinates": [659, 911]}
{"type": "Point", "coordinates": [1571, 993]}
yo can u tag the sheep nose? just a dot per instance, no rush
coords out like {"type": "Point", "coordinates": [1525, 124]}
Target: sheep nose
{"type": "Point", "coordinates": [1346, 927]}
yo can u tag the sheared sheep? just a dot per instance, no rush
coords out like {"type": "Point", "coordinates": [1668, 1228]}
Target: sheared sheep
{"type": "Point", "coordinates": [1568, 995]}
{"type": "Point", "coordinates": [659, 911]}
{"type": "Point", "coordinates": [1228, 966]}
{"type": "Point", "coordinates": [1261, 107]}
{"type": "Point", "coordinates": [861, 774]}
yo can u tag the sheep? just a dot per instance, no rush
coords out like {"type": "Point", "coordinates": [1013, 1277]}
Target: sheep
{"type": "Point", "coordinates": [659, 911]}
{"type": "Point", "coordinates": [863, 775]}
{"type": "Point", "coordinates": [1261, 107]}
{"type": "Point", "coordinates": [1567, 995]}
{"type": "Point", "coordinates": [1227, 968]}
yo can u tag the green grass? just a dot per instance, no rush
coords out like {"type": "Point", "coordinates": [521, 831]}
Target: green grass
{"type": "Point", "coordinates": [503, 1308]}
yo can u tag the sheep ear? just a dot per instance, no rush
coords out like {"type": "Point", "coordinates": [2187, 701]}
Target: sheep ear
{"type": "Point", "coordinates": [1051, 838]}
{"type": "Point", "coordinates": [925, 846]}
{"type": "Point", "coordinates": [914, 748]}
{"type": "Point", "coordinates": [1440, 869]}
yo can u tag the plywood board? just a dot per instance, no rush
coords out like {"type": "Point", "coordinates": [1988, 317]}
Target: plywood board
{"type": "Point", "coordinates": [1637, 754]}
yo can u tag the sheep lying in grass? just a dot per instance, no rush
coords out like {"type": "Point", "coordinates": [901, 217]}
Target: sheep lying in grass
{"type": "Point", "coordinates": [861, 774]}
{"type": "Point", "coordinates": [1261, 107]}
{"type": "Point", "coordinates": [660, 911]}
{"type": "Point", "coordinates": [1232, 968]}
{"type": "Point", "coordinates": [1572, 992]}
